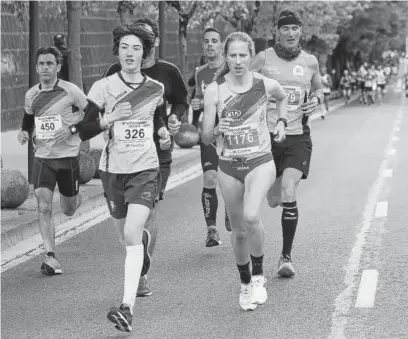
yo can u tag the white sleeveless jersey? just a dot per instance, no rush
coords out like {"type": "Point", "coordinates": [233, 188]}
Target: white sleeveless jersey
{"type": "Point", "coordinates": [130, 147]}
{"type": "Point", "coordinates": [295, 77]}
{"type": "Point", "coordinates": [248, 135]}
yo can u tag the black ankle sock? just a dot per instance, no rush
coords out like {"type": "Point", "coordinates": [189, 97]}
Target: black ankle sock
{"type": "Point", "coordinates": [289, 223]}
{"type": "Point", "coordinates": [244, 273]}
{"type": "Point", "coordinates": [51, 254]}
{"type": "Point", "coordinates": [210, 205]}
{"type": "Point", "coordinates": [257, 268]}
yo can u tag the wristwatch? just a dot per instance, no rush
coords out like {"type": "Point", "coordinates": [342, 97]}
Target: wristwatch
{"type": "Point", "coordinates": [73, 129]}
{"type": "Point", "coordinates": [285, 122]}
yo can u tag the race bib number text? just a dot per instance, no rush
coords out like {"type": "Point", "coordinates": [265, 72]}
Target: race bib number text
{"type": "Point", "coordinates": [293, 93]}
{"type": "Point", "coordinates": [241, 140]}
{"type": "Point", "coordinates": [133, 133]}
{"type": "Point", "coordinates": [46, 126]}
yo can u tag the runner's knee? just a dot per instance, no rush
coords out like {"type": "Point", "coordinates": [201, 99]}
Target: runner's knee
{"type": "Point", "coordinates": [251, 218]}
{"type": "Point", "coordinates": [289, 190]}
{"type": "Point", "coordinates": [44, 207]}
{"type": "Point", "coordinates": [210, 179]}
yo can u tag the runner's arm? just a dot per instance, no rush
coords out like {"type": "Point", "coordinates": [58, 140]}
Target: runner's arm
{"type": "Point", "coordinates": [91, 125]}
{"type": "Point", "coordinates": [28, 118]}
{"type": "Point", "coordinates": [258, 62]}
{"type": "Point", "coordinates": [210, 111]}
{"type": "Point", "coordinates": [178, 95]}
{"type": "Point", "coordinates": [276, 92]}
{"type": "Point", "coordinates": [316, 87]}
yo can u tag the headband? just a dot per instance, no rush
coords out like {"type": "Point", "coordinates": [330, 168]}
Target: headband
{"type": "Point", "coordinates": [288, 20]}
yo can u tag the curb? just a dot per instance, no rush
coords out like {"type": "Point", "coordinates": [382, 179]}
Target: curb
{"type": "Point", "coordinates": [26, 226]}
{"type": "Point", "coordinates": [30, 227]}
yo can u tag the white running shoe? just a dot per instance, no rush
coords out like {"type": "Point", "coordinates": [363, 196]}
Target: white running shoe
{"type": "Point", "coordinates": [245, 298]}
{"type": "Point", "coordinates": [258, 293]}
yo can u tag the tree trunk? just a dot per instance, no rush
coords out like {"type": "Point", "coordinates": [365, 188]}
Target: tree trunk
{"type": "Point", "coordinates": [125, 12]}
{"type": "Point", "coordinates": [74, 46]}
{"type": "Point", "coordinates": [182, 34]}
{"type": "Point", "coordinates": [74, 42]}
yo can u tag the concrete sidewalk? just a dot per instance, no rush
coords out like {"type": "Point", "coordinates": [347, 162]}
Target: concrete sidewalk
{"type": "Point", "coordinates": [21, 223]}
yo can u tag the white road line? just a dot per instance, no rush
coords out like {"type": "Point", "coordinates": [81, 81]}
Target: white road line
{"type": "Point", "coordinates": [32, 246]}
{"type": "Point", "coordinates": [367, 289]}
{"type": "Point", "coordinates": [381, 209]}
{"type": "Point", "coordinates": [388, 173]}
{"type": "Point", "coordinates": [396, 129]}
{"type": "Point", "coordinates": [395, 138]}
{"type": "Point", "coordinates": [343, 301]}
{"type": "Point", "coordinates": [392, 151]}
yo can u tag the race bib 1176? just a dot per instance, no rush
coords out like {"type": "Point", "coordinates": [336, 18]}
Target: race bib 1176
{"type": "Point", "coordinates": [241, 140]}
{"type": "Point", "coordinates": [46, 126]}
{"type": "Point", "coordinates": [134, 134]}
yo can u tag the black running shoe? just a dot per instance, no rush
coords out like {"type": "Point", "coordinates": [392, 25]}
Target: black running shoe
{"type": "Point", "coordinates": [146, 255]}
{"type": "Point", "coordinates": [213, 238]}
{"type": "Point", "coordinates": [122, 317]}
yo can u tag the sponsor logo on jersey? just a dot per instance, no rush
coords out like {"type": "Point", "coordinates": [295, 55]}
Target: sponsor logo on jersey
{"type": "Point", "coordinates": [120, 95]}
{"type": "Point", "coordinates": [233, 114]}
{"type": "Point", "coordinates": [298, 70]}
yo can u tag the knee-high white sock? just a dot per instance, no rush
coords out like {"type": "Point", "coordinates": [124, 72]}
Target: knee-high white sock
{"type": "Point", "coordinates": [133, 267]}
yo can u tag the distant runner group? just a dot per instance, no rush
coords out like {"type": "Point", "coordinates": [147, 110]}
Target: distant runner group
{"type": "Point", "coordinates": [255, 142]}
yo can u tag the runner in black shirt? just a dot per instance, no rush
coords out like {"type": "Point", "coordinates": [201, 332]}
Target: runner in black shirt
{"type": "Point", "coordinates": [175, 95]}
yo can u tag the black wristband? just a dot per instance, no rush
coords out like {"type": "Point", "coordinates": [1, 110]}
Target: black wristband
{"type": "Point", "coordinates": [28, 122]}
{"type": "Point", "coordinates": [285, 122]}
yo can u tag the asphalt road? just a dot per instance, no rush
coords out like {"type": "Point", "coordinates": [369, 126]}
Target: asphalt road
{"type": "Point", "coordinates": [342, 232]}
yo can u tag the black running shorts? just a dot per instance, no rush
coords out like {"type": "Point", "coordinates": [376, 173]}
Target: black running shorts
{"type": "Point", "coordinates": [140, 188]}
{"type": "Point", "coordinates": [62, 171]}
{"type": "Point", "coordinates": [294, 152]}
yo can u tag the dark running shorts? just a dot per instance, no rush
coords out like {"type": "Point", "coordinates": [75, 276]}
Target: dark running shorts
{"type": "Point", "coordinates": [209, 157]}
{"type": "Point", "coordinates": [294, 152]}
{"type": "Point", "coordinates": [140, 188]}
{"type": "Point", "coordinates": [241, 167]}
{"type": "Point", "coordinates": [63, 171]}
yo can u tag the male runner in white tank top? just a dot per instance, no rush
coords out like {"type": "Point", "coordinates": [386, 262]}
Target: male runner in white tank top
{"type": "Point", "coordinates": [298, 72]}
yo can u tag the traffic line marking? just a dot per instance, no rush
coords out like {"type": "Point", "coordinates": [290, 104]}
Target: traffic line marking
{"type": "Point", "coordinates": [381, 209]}
{"type": "Point", "coordinates": [367, 290]}
{"type": "Point", "coordinates": [388, 173]}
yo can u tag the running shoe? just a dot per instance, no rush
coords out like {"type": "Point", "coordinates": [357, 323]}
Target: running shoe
{"type": "Point", "coordinates": [245, 298]}
{"type": "Point", "coordinates": [51, 266]}
{"type": "Point", "coordinates": [146, 255]}
{"type": "Point", "coordinates": [258, 293]}
{"type": "Point", "coordinates": [213, 238]}
{"type": "Point", "coordinates": [143, 290]}
{"type": "Point", "coordinates": [122, 317]}
{"type": "Point", "coordinates": [285, 266]}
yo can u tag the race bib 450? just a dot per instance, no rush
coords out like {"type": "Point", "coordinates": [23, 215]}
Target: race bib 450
{"type": "Point", "coordinates": [46, 126]}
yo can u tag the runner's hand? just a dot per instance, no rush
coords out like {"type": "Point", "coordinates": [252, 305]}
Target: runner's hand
{"type": "Point", "coordinates": [224, 124]}
{"type": "Point", "coordinates": [22, 137]}
{"type": "Point", "coordinates": [62, 134]}
{"type": "Point", "coordinates": [174, 124]}
{"type": "Point", "coordinates": [279, 132]}
{"type": "Point", "coordinates": [165, 139]}
{"type": "Point", "coordinates": [310, 106]}
{"type": "Point", "coordinates": [196, 104]}
{"type": "Point", "coordinates": [121, 111]}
